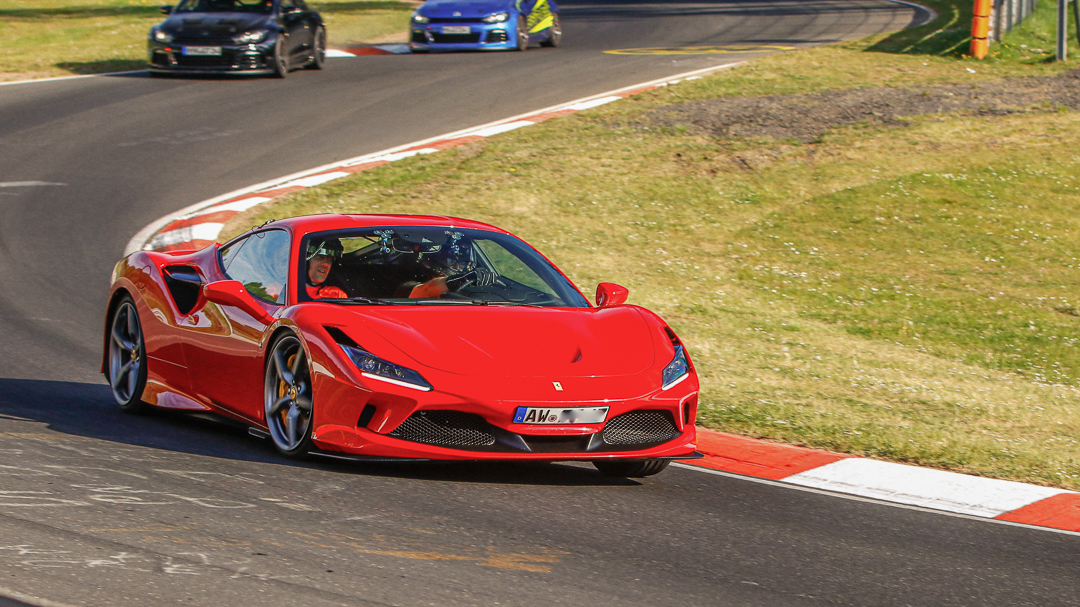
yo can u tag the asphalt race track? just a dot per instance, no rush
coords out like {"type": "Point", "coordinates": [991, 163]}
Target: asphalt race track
{"type": "Point", "coordinates": [102, 508]}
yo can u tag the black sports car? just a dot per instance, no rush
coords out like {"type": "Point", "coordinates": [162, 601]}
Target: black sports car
{"type": "Point", "coordinates": [237, 36]}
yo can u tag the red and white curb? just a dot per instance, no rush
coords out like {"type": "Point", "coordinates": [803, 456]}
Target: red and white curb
{"type": "Point", "coordinates": [199, 225]}
{"type": "Point", "coordinates": [890, 482]}
{"type": "Point", "coordinates": [364, 51]}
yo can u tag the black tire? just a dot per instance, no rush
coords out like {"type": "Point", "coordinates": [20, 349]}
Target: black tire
{"type": "Point", "coordinates": [634, 468]}
{"type": "Point", "coordinates": [281, 57]}
{"type": "Point", "coordinates": [318, 51]}
{"type": "Point", "coordinates": [287, 397]}
{"type": "Point", "coordinates": [554, 33]}
{"type": "Point", "coordinates": [126, 365]}
{"type": "Point", "coordinates": [522, 33]}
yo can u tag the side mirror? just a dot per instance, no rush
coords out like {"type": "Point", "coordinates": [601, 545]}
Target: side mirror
{"type": "Point", "coordinates": [610, 294]}
{"type": "Point", "coordinates": [233, 293]}
{"type": "Point", "coordinates": [165, 10]}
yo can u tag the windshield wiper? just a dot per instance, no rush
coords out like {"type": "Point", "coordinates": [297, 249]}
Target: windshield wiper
{"type": "Point", "coordinates": [366, 300]}
{"type": "Point", "coordinates": [451, 302]}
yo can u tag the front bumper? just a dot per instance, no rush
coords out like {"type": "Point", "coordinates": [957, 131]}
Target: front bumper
{"type": "Point", "coordinates": [644, 424]}
{"type": "Point", "coordinates": [481, 37]}
{"type": "Point", "coordinates": [253, 59]}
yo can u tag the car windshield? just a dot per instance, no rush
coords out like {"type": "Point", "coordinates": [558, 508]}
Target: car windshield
{"type": "Point", "coordinates": [225, 6]}
{"type": "Point", "coordinates": [434, 266]}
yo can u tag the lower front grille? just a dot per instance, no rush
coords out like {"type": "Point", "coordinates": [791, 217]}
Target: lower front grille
{"type": "Point", "coordinates": [556, 444]}
{"type": "Point", "coordinates": [496, 36]}
{"type": "Point", "coordinates": [446, 429]}
{"type": "Point", "coordinates": [455, 38]}
{"type": "Point", "coordinates": [640, 428]}
{"type": "Point", "coordinates": [418, 36]}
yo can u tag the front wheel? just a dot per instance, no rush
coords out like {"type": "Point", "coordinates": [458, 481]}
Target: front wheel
{"type": "Point", "coordinates": [318, 52]}
{"type": "Point", "coordinates": [554, 33]}
{"type": "Point", "coordinates": [127, 357]}
{"type": "Point", "coordinates": [633, 468]}
{"type": "Point", "coordinates": [522, 34]}
{"type": "Point", "coordinates": [287, 395]}
{"type": "Point", "coordinates": [281, 57]}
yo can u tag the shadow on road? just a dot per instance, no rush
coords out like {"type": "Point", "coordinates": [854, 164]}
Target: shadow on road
{"type": "Point", "coordinates": [89, 411]}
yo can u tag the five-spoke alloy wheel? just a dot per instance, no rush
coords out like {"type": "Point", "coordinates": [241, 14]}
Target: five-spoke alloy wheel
{"type": "Point", "coordinates": [288, 397]}
{"type": "Point", "coordinates": [127, 357]}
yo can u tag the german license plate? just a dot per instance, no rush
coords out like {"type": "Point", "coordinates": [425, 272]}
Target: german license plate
{"type": "Point", "coordinates": [559, 415]}
{"type": "Point", "coordinates": [202, 51]}
{"type": "Point", "coordinates": [456, 29]}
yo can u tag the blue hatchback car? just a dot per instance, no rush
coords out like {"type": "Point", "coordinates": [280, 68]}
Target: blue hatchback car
{"type": "Point", "coordinates": [484, 25]}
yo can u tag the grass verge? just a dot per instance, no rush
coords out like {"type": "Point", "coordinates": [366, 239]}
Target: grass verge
{"type": "Point", "coordinates": [46, 38]}
{"type": "Point", "coordinates": [905, 292]}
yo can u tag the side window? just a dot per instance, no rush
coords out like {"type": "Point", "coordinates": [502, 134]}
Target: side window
{"type": "Point", "coordinates": [261, 262]}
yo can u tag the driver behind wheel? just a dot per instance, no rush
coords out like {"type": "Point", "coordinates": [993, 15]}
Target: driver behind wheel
{"type": "Point", "coordinates": [455, 268]}
{"type": "Point", "coordinates": [320, 260]}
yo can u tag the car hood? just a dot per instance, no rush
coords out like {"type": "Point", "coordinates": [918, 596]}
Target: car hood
{"type": "Point", "coordinates": [213, 25]}
{"type": "Point", "coordinates": [516, 341]}
{"type": "Point", "coordinates": [447, 8]}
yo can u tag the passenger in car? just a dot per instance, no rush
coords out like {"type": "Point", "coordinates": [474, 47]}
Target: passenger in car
{"type": "Point", "coordinates": [320, 261]}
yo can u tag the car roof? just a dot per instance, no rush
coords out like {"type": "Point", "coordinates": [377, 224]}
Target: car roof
{"type": "Point", "coordinates": [332, 221]}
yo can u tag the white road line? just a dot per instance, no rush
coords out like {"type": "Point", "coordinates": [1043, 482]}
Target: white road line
{"type": "Point", "coordinates": [502, 128]}
{"type": "Point", "coordinates": [594, 103]}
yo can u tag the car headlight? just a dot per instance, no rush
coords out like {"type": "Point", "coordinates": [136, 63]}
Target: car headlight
{"type": "Point", "coordinates": [373, 367]}
{"type": "Point", "coordinates": [418, 18]}
{"type": "Point", "coordinates": [160, 36]}
{"type": "Point", "coordinates": [497, 18]}
{"type": "Point", "coordinates": [250, 37]}
{"type": "Point", "coordinates": [677, 370]}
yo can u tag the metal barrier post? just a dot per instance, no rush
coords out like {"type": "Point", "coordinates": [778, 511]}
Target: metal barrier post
{"type": "Point", "coordinates": [1062, 30]}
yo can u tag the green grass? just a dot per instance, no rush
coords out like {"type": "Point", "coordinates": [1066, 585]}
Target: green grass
{"type": "Point", "coordinates": [44, 38]}
{"type": "Point", "coordinates": [907, 293]}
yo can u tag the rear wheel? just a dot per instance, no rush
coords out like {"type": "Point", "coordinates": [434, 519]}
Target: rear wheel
{"type": "Point", "coordinates": [318, 52]}
{"type": "Point", "coordinates": [554, 33]}
{"type": "Point", "coordinates": [522, 33]}
{"type": "Point", "coordinates": [127, 357]}
{"type": "Point", "coordinates": [287, 395]}
{"type": "Point", "coordinates": [635, 468]}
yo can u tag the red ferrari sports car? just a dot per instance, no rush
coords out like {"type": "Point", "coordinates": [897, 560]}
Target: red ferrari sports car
{"type": "Point", "coordinates": [375, 337]}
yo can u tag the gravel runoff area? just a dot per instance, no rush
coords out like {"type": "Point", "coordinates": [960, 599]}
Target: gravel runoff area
{"type": "Point", "coordinates": [806, 117]}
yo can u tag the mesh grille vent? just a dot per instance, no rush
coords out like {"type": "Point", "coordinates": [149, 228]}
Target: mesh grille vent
{"type": "Point", "coordinates": [640, 427]}
{"type": "Point", "coordinates": [455, 38]}
{"type": "Point", "coordinates": [446, 429]}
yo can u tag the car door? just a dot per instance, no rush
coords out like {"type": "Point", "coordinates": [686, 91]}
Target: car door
{"type": "Point", "coordinates": [224, 344]}
{"type": "Point", "coordinates": [296, 20]}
